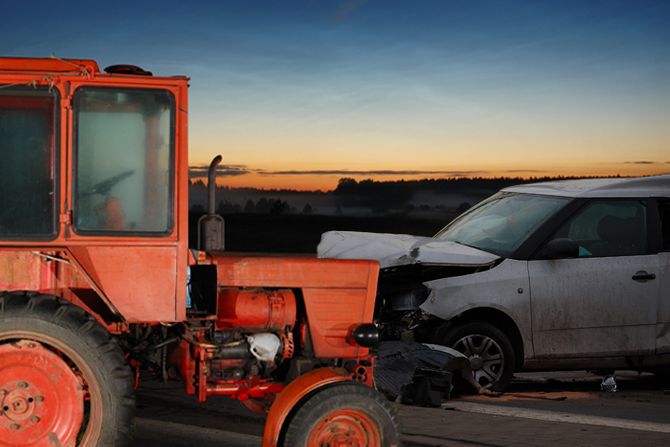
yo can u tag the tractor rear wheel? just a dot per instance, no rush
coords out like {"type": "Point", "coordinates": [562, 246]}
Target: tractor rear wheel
{"type": "Point", "coordinates": [63, 379]}
{"type": "Point", "coordinates": [343, 414]}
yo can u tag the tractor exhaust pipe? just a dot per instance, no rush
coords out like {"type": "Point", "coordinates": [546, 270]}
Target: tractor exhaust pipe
{"type": "Point", "coordinates": [211, 227]}
{"type": "Point", "coordinates": [211, 185]}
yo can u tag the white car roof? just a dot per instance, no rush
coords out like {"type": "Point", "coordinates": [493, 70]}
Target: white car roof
{"type": "Point", "coordinates": [654, 186]}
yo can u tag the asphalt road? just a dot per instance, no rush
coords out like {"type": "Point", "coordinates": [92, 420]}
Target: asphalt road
{"type": "Point", "coordinates": [538, 410]}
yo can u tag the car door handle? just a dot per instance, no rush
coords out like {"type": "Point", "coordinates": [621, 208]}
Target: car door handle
{"type": "Point", "coordinates": [643, 276]}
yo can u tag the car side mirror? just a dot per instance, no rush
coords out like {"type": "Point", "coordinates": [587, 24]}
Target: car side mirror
{"type": "Point", "coordinates": [559, 248]}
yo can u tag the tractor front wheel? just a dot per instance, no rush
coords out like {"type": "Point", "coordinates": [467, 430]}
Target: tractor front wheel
{"type": "Point", "coordinates": [63, 379]}
{"type": "Point", "coordinates": [345, 414]}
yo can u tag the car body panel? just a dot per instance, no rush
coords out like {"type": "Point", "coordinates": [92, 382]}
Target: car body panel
{"type": "Point", "coordinates": [574, 315]}
{"type": "Point", "coordinates": [655, 186]}
{"type": "Point", "coordinates": [400, 249]}
{"type": "Point", "coordinates": [663, 324]}
{"type": "Point", "coordinates": [504, 287]}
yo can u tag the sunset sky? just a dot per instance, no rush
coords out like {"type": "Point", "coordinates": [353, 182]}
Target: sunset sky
{"type": "Point", "coordinates": [297, 94]}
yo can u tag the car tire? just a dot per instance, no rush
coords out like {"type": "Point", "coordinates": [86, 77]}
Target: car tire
{"type": "Point", "coordinates": [63, 366]}
{"type": "Point", "coordinates": [490, 351]}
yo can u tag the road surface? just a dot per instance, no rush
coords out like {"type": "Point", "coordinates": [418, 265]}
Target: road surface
{"type": "Point", "coordinates": [538, 410]}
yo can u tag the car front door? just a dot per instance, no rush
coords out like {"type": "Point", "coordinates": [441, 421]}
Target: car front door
{"type": "Point", "coordinates": [663, 326]}
{"type": "Point", "coordinates": [604, 301]}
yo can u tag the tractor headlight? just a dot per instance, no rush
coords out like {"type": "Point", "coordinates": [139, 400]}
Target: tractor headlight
{"type": "Point", "coordinates": [365, 335]}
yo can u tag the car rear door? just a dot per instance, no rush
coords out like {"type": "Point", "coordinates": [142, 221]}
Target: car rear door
{"type": "Point", "coordinates": [603, 302]}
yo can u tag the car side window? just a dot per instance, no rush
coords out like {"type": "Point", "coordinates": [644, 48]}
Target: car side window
{"type": "Point", "coordinates": [608, 228]}
{"type": "Point", "coordinates": [664, 211]}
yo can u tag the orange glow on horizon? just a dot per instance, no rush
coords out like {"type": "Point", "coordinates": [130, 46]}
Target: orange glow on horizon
{"type": "Point", "coordinates": [328, 182]}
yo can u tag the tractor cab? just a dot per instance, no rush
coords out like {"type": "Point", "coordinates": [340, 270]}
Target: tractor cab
{"type": "Point", "coordinates": [97, 161]}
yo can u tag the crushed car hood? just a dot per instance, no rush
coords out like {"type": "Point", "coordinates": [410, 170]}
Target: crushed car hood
{"type": "Point", "coordinates": [399, 249]}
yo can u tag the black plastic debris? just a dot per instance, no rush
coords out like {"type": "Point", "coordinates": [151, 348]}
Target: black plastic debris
{"type": "Point", "coordinates": [429, 387]}
{"type": "Point", "coordinates": [417, 373]}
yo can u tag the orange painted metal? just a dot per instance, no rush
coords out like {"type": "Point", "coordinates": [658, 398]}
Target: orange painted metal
{"type": "Point", "coordinates": [293, 394]}
{"type": "Point", "coordinates": [235, 270]}
{"type": "Point", "coordinates": [336, 293]}
{"type": "Point", "coordinates": [48, 65]}
{"type": "Point", "coordinates": [56, 273]}
{"type": "Point", "coordinates": [244, 390]}
{"type": "Point", "coordinates": [139, 283]}
{"type": "Point", "coordinates": [347, 427]}
{"type": "Point", "coordinates": [147, 276]}
{"type": "Point", "coordinates": [256, 309]}
{"type": "Point", "coordinates": [40, 397]}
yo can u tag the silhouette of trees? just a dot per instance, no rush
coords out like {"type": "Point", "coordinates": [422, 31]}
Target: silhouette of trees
{"type": "Point", "coordinates": [463, 207]}
{"type": "Point", "coordinates": [377, 196]}
{"type": "Point", "coordinates": [250, 207]}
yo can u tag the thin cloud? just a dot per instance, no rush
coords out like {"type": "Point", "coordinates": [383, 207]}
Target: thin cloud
{"type": "Point", "coordinates": [223, 170]}
{"type": "Point", "coordinates": [384, 172]}
{"type": "Point", "coordinates": [238, 170]}
{"type": "Point", "coordinates": [640, 162]}
{"type": "Point", "coordinates": [348, 8]}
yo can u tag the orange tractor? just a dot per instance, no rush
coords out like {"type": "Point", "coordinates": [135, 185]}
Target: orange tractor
{"type": "Point", "coordinates": [97, 280]}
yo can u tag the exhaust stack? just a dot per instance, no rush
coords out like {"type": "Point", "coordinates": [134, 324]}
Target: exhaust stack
{"type": "Point", "coordinates": [211, 227]}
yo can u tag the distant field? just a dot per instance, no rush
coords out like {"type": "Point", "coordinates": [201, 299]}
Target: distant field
{"type": "Point", "coordinates": [296, 233]}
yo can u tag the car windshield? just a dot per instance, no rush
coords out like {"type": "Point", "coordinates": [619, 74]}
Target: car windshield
{"type": "Point", "coordinates": [503, 222]}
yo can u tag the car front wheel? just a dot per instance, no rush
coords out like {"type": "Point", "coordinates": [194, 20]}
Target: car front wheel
{"type": "Point", "coordinates": [489, 350]}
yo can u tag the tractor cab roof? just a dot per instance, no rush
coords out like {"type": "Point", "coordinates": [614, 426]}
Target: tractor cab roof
{"type": "Point", "coordinates": [77, 67]}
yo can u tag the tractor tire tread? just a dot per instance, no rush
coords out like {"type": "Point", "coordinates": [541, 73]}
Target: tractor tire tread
{"type": "Point", "coordinates": [96, 339]}
{"type": "Point", "coordinates": [353, 391]}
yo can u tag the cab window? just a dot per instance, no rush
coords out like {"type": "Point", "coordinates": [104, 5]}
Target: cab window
{"type": "Point", "coordinates": [28, 144]}
{"type": "Point", "coordinates": [664, 211]}
{"type": "Point", "coordinates": [608, 228]}
{"type": "Point", "coordinates": [123, 161]}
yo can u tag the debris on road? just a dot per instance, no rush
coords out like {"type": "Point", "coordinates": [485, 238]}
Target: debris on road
{"type": "Point", "coordinates": [421, 374]}
{"type": "Point", "coordinates": [609, 384]}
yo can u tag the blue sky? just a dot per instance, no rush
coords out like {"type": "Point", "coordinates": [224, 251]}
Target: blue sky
{"type": "Point", "coordinates": [556, 87]}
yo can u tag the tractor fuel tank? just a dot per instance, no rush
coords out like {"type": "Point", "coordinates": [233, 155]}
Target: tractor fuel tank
{"type": "Point", "coordinates": [255, 309]}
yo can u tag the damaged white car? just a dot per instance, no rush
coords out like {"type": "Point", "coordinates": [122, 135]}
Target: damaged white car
{"type": "Point", "coordinates": [557, 275]}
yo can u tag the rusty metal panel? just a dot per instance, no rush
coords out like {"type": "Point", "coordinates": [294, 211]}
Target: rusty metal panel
{"type": "Point", "coordinates": [20, 270]}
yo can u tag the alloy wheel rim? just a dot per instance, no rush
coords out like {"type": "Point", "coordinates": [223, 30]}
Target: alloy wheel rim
{"type": "Point", "coordinates": [486, 357]}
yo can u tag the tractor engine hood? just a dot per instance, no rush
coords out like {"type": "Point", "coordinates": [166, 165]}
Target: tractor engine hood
{"type": "Point", "coordinates": [393, 250]}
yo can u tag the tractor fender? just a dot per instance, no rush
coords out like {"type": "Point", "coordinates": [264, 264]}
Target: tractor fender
{"type": "Point", "coordinates": [293, 394]}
